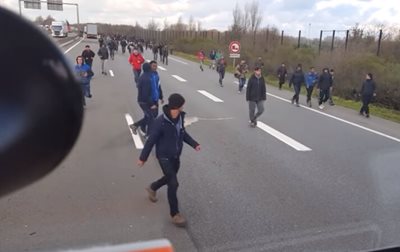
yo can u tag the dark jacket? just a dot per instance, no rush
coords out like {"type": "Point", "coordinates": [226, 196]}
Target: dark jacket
{"type": "Point", "coordinates": [167, 136]}
{"type": "Point", "coordinates": [256, 90]}
{"type": "Point", "coordinates": [368, 87]}
{"type": "Point", "coordinates": [88, 56]}
{"type": "Point", "coordinates": [281, 72]}
{"type": "Point", "coordinates": [297, 78]}
{"type": "Point", "coordinates": [325, 81]}
{"type": "Point", "coordinates": [144, 86]}
{"type": "Point", "coordinates": [103, 53]}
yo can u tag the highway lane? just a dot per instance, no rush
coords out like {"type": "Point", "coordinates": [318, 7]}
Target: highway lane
{"type": "Point", "coordinates": [245, 191]}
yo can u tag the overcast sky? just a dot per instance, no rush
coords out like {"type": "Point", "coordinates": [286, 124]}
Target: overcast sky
{"type": "Point", "coordinates": [310, 16]}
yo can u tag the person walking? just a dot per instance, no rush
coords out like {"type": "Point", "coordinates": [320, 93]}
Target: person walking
{"type": "Point", "coordinates": [368, 91]}
{"type": "Point", "coordinates": [324, 86]}
{"type": "Point", "coordinates": [155, 52]}
{"type": "Point", "coordinates": [201, 56]}
{"type": "Point", "coordinates": [297, 80]}
{"type": "Point", "coordinates": [213, 59]}
{"type": "Point", "coordinates": [83, 73]}
{"type": "Point", "coordinates": [332, 73]}
{"type": "Point", "coordinates": [168, 135]}
{"type": "Point", "coordinates": [240, 73]}
{"type": "Point", "coordinates": [311, 80]}
{"type": "Point", "coordinates": [221, 66]}
{"type": "Point", "coordinates": [282, 74]}
{"type": "Point", "coordinates": [88, 56]}
{"type": "Point", "coordinates": [123, 45]}
{"type": "Point", "coordinates": [256, 95]}
{"type": "Point", "coordinates": [165, 54]}
{"type": "Point", "coordinates": [259, 63]}
{"type": "Point", "coordinates": [103, 54]}
{"type": "Point", "coordinates": [136, 60]}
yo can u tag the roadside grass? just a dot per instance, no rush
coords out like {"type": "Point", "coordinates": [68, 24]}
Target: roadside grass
{"type": "Point", "coordinates": [375, 110]}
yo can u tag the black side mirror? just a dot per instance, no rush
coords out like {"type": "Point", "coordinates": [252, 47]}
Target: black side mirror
{"type": "Point", "coordinates": [41, 106]}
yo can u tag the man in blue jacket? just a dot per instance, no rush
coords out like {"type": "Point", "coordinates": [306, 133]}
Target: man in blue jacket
{"type": "Point", "coordinates": [168, 135]}
{"type": "Point", "coordinates": [311, 80]}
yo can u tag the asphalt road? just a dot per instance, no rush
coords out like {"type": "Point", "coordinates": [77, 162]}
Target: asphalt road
{"type": "Point", "coordinates": [333, 186]}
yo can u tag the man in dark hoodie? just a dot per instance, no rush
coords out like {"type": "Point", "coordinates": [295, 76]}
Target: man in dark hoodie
{"type": "Point", "coordinates": [297, 80]}
{"type": "Point", "coordinates": [367, 92]}
{"type": "Point", "coordinates": [103, 54]}
{"type": "Point", "coordinates": [145, 100]}
{"type": "Point", "coordinates": [255, 96]}
{"type": "Point", "coordinates": [168, 135]}
{"type": "Point", "coordinates": [324, 86]}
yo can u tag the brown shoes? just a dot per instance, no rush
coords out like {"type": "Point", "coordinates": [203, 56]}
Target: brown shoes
{"type": "Point", "coordinates": [152, 194]}
{"type": "Point", "coordinates": [178, 220]}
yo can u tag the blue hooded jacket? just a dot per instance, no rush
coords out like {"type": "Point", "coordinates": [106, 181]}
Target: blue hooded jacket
{"type": "Point", "coordinates": [80, 71]}
{"type": "Point", "coordinates": [311, 79]}
{"type": "Point", "coordinates": [156, 93]}
{"type": "Point", "coordinates": [145, 86]}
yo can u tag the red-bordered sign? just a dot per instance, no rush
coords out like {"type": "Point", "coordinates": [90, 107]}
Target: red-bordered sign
{"type": "Point", "coordinates": [234, 47]}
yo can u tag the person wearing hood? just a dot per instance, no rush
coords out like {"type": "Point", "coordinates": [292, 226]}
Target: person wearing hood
{"type": "Point", "coordinates": [324, 86]}
{"type": "Point", "coordinates": [168, 135]}
{"type": "Point", "coordinates": [256, 96]}
{"type": "Point", "coordinates": [297, 80]}
{"type": "Point", "coordinates": [367, 92]}
{"type": "Point", "coordinates": [145, 100]}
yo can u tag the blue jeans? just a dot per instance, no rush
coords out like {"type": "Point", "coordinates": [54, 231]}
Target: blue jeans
{"type": "Point", "coordinates": [86, 89]}
{"type": "Point", "coordinates": [147, 121]}
{"type": "Point", "coordinates": [242, 82]}
{"type": "Point", "coordinates": [323, 96]}
{"type": "Point", "coordinates": [136, 74]}
{"type": "Point", "coordinates": [170, 168]}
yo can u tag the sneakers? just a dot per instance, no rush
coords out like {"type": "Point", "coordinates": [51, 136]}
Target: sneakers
{"type": "Point", "coordinates": [321, 107]}
{"type": "Point", "coordinates": [297, 105]}
{"type": "Point", "coordinates": [133, 128]}
{"type": "Point", "coordinates": [367, 115]}
{"type": "Point", "coordinates": [293, 100]}
{"type": "Point", "coordinates": [253, 124]}
{"type": "Point", "coordinates": [179, 220]}
{"type": "Point", "coordinates": [152, 194]}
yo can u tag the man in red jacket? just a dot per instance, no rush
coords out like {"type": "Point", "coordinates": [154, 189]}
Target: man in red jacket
{"type": "Point", "coordinates": [136, 60]}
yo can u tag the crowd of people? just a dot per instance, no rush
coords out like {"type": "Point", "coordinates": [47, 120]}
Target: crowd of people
{"type": "Point", "coordinates": [167, 131]}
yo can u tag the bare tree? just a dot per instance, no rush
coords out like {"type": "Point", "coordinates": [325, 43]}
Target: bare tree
{"type": "Point", "coordinates": [192, 24]}
{"type": "Point", "coordinates": [255, 18]}
{"type": "Point", "coordinates": [180, 26]}
{"type": "Point", "coordinates": [166, 25]}
{"type": "Point", "coordinates": [246, 19]}
{"type": "Point", "coordinates": [199, 28]}
{"type": "Point", "coordinates": [152, 25]}
{"type": "Point", "coordinates": [237, 20]}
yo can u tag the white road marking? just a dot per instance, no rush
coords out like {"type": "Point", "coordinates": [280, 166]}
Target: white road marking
{"type": "Point", "coordinates": [180, 61]}
{"type": "Point", "coordinates": [341, 120]}
{"type": "Point", "coordinates": [111, 73]}
{"type": "Point", "coordinates": [282, 137]}
{"type": "Point", "coordinates": [69, 49]}
{"type": "Point", "coordinates": [190, 120]}
{"type": "Point", "coordinates": [162, 68]}
{"type": "Point", "coordinates": [179, 78]}
{"type": "Point", "coordinates": [210, 96]}
{"type": "Point", "coordinates": [136, 138]}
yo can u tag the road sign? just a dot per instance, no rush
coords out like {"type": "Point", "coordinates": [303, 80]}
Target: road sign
{"type": "Point", "coordinates": [234, 47]}
{"type": "Point", "coordinates": [55, 5]}
{"type": "Point", "coordinates": [234, 55]}
{"type": "Point", "coordinates": [32, 4]}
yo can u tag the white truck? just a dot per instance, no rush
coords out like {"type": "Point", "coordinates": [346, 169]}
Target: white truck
{"type": "Point", "coordinates": [59, 29]}
{"type": "Point", "coordinates": [91, 31]}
